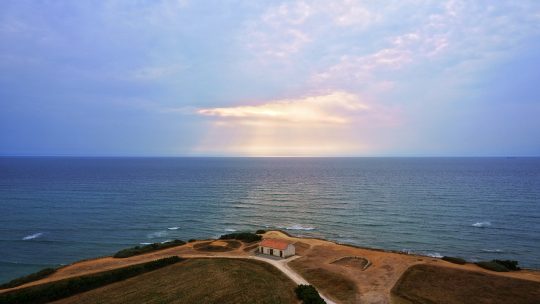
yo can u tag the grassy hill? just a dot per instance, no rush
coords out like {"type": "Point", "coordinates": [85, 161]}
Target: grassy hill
{"type": "Point", "coordinates": [426, 284]}
{"type": "Point", "coordinates": [198, 281]}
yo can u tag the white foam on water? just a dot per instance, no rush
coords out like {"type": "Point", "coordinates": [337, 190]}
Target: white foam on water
{"type": "Point", "coordinates": [173, 228]}
{"type": "Point", "coordinates": [32, 236]}
{"type": "Point", "coordinates": [493, 250]}
{"type": "Point", "coordinates": [166, 241]}
{"type": "Point", "coordinates": [481, 224]}
{"type": "Point", "coordinates": [145, 243]}
{"type": "Point", "coordinates": [423, 253]}
{"type": "Point", "coordinates": [298, 227]}
{"type": "Point", "coordinates": [157, 234]}
{"type": "Point", "coordinates": [230, 230]}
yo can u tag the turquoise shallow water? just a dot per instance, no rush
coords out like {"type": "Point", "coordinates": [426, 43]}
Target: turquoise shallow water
{"type": "Point", "coordinates": [58, 210]}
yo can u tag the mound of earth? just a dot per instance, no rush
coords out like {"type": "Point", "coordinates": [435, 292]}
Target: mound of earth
{"type": "Point", "coordinates": [217, 246]}
{"type": "Point", "coordinates": [353, 262]}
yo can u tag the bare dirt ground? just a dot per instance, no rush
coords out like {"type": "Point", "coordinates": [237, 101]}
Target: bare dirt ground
{"type": "Point", "coordinates": [346, 284]}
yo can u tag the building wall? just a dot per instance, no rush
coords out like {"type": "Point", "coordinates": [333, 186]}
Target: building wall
{"type": "Point", "coordinates": [289, 251]}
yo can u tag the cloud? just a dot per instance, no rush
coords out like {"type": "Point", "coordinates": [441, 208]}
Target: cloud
{"type": "Point", "coordinates": [333, 108]}
{"type": "Point", "coordinates": [350, 13]}
{"type": "Point", "coordinates": [337, 123]}
{"type": "Point", "coordinates": [446, 33]}
{"type": "Point", "coordinates": [286, 29]}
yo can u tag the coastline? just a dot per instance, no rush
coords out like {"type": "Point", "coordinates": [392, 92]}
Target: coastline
{"type": "Point", "coordinates": [316, 258]}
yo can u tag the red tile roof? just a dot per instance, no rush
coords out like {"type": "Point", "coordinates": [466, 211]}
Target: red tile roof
{"type": "Point", "coordinates": [274, 243]}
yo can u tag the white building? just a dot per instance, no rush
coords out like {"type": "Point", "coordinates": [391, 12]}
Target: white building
{"type": "Point", "coordinates": [276, 247]}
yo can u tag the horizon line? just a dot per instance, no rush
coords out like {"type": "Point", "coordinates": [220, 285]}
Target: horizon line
{"type": "Point", "coordinates": [260, 156]}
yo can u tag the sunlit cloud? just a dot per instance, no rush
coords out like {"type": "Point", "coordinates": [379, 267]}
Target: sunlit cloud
{"type": "Point", "coordinates": [333, 108]}
{"type": "Point", "coordinates": [336, 123]}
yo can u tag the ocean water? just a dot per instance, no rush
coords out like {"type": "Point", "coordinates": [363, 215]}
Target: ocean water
{"type": "Point", "coordinates": [54, 211]}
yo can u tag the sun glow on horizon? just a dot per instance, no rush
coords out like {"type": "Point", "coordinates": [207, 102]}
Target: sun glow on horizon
{"type": "Point", "coordinates": [323, 125]}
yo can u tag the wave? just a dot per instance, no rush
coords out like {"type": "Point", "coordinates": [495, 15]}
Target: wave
{"type": "Point", "coordinates": [493, 250]}
{"type": "Point", "coordinates": [230, 230]}
{"type": "Point", "coordinates": [297, 227]}
{"type": "Point", "coordinates": [157, 234]}
{"type": "Point", "coordinates": [32, 236]}
{"type": "Point", "coordinates": [145, 243]}
{"type": "Point", "coordinates": [173, 228]}
{"type": "Point", "coordinates": [481, 224]}
{"type": "Point", "coordinates": [424, 253]}
{"type": "Point", "coordinates": [346, 241]}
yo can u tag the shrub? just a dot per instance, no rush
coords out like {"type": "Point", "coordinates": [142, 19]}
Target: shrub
{"type": "Point", "coordinates": [260, 231]}
{"type": "Point", "coordinates": [493, 266]}
{"type": "Point", "coordinates": [246, 237]}
{"type": "Point", "coordinates": [308, 294]}
{"type": "Point", "coordinates": [509, 264]}
{"type": "Point", "coordinates": [191, 240]}
{"type": "Point", "coordinates": [454, 260]}
{"type": "Point", "coordinates": [125, 253]}
{"type": "Point", "coordinates": [29, 278]}
{"type": "Point", "coordinates": [64, 288]}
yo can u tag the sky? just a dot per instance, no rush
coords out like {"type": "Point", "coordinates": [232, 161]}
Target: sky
{"type": "Point", "coordinates": [270, 78]}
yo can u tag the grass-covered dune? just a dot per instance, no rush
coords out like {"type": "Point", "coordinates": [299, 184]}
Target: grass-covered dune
{"type": "Point", "coordinates": [201, 280]}
{"type": "Point", "coordinates": [129, 252]}
{"type": "Point", "coordinates": [246, 237]}
{"type": "Point", "coordinates": [43, 273]}
{"type": "Point", "coordinates": [55, 290]}
{"type": "Point", "coordinates": [426, 284]}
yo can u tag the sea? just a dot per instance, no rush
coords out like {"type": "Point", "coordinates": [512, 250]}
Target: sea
{"type": "Point", "coordinates": [57, 210]}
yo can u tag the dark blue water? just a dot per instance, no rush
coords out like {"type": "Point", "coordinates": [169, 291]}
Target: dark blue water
{"type": "Point", "coordinates": [58, 210]}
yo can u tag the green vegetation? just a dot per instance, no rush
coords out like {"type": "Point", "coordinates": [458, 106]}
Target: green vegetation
{"type": "Point", "coordinates": [428, 284]}
{"type": "Point", "coordinates": [246, 237]}
{"type": "Point", "coordinates": [499, 265]}
{"type": "Point", "coordinates": [215, 280]}
{"type": "Point", "coordinates": [125, 253]}
{"type": "Point", "coordinates": [211, 246]}
{"type": "Point", "coordinates": [28, 278]}
{"type": "Point", "coordinates": [493, 266]}
{"type": "Point", "coordinates": [454, 260]}
{"type": "Point", "coordinates": [308, 294]}
{"type": "Point", "coordinates": [260, 231]}
{"type": "Point", "coordinates": [64, 288]}
{"type": "Point", "coordinates": [509, 264]}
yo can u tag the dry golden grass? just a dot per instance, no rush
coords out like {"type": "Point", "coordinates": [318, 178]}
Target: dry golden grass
{"type": "Point", "coordinates": [213, 280]}
{"type": "Point", "coordinates": [219, 243]}
{"type": "Point", "coordinates": [330, 283]}
{"type": "Point", "coordinates": [373, 285]}
{"type": "Point", "coordinates": [250, 247]}
{"type": "Point", "coordinates": [426, 284]}
{"type": "Point", "coordinates": [301, 248]}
